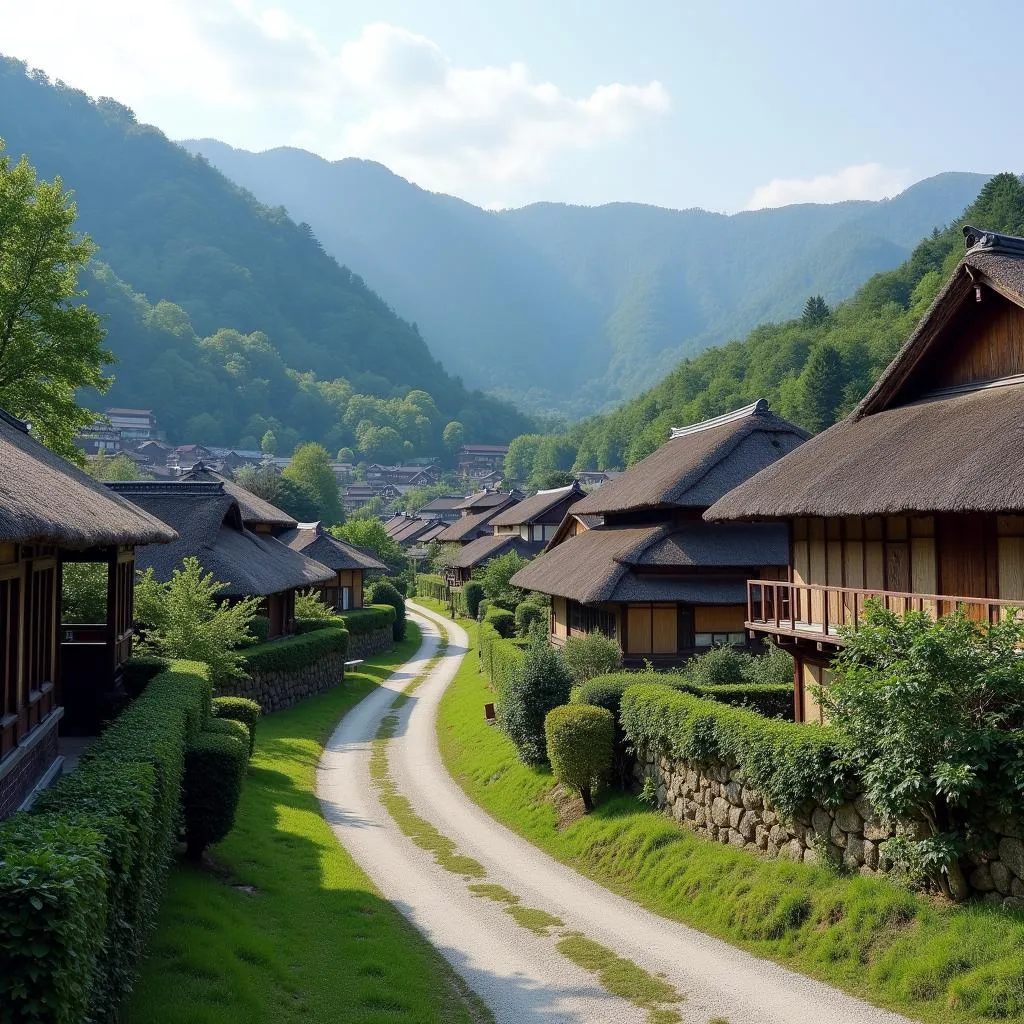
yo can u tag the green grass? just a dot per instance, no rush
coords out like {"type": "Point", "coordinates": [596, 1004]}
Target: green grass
{"type": "Point", "coordinates": [292, 930]}
{"type": "Point", "coordinates": [538, 921]}
{"type": "Point", "coordinates": [865, 935]}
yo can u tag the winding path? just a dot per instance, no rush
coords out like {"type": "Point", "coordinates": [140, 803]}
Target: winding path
{"type": "Point", "coordinates": [520, 975]}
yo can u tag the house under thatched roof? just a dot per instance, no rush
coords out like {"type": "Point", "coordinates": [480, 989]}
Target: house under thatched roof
{"type": "Point", "coordinates": [470, 527]}
{"type": "Point", "coordinates": [45, 499]}
{"type": "Point", "coordinates": [314, 542]}
{"type": "Point", "coordinates": [210, 527]}
{"type": "Point", "coordinates": [535, 507]}
{"type": "Point", "coordinates": [940, 432]}
{"type": "Point", "coordinates": [483, 549]}
{"type": "Point", "coordinates": [256, 511]}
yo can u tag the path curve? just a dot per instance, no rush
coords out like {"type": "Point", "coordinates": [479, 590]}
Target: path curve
{"type": "Point", "coordinates": [521, 976]}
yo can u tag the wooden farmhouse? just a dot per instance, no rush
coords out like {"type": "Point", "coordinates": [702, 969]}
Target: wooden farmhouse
{"type": "Point", "coordinates": [349, 563]}
{"type": "Point", "coordinates": [55, 676]}
{"type": "Point", "coordinates": [476, 513]}
{"type": "Point", "coordinates": [525, 527]}
{"type": "Point", "coordinates": [917, 497]}
{"type": "Point", "coordinates": [212, 528]}
{"type": "Point", "coordinates": [636, 561]}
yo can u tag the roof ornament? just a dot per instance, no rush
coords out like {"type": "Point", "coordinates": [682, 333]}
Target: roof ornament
{"type": "Point", "coordinates": [758, 408]}
{"type": "Point", "coordinates": [983, 240]}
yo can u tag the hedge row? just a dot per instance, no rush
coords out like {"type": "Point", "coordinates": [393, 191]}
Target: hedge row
{"type": "Point", "coordinates": [434, 587]}
{"type": "Point", "coordinates": [295, 652]}
{"type": "Point", "coordinates": [360, 621]}
{"type": "Point", "coordinates": [791, 764]}
{"type": "Point", "coordinates": [499, 657]}
{"type": "Point", "coordinates": [139, 669]}
{"type": "Point", "coordinates": [82, 875]}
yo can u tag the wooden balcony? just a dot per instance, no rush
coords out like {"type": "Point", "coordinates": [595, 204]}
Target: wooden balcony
{"type": "Point", "coordinates": [808, 611]}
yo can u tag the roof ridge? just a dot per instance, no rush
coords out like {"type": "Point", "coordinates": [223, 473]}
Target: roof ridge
{"type": "Point", "coordinates": [169, 486]}
{"type": "Point", "coordinates": [758, 408]}
{"type": "Point", "coordinates": [14, 421]}
{"type": "Point", "coordinates": [983, 239]}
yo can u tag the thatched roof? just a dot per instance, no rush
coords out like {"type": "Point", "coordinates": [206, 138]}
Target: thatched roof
{"type": "Point", "coordinates": [433, 533]}
{"type": "Point", "coordinates": [952, 451]}
{"type": "Point", "coordinates": [446, 503]}
{"type": "Point", "coordinates": [468, 527]}
{"type": "Point", "coordinates": [314, 542]}
{"type": "Point", "coordinates": [699, 463]}
{"type": "Point", "coordinates": [413, 529]}
{"type": "Point", "coordinates": [209, 522]}
{"type": "Point", "coordinates": [483, 549]}
{"type": "Point", "coordinates": [44, 499]}
{"type": "Point", "coordinates": [635, 563]}
{"type": "Point", "coordinates": [531, 509]}
{"type": "Point", "coordinates": [487, 500]}
{"type": "Point", "coordinates": [256, 511]}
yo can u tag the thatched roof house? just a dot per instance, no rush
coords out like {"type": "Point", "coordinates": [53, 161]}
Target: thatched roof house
{"type": "Point", "coordinates": [257, 513]}
{"type": "Point", "coordinates": [635, 559]}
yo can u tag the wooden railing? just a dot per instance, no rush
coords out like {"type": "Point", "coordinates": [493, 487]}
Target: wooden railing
{"type": "Point", "coordinates": [805, 609]}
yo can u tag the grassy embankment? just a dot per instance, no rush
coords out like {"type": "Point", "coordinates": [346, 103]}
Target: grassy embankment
{"type": "Point", "coordinates": [291, 929]}
{"type": "Point", "coordinates": [864, 935]}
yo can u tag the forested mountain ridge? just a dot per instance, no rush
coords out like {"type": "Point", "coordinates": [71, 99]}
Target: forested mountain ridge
{"type": "Point", "coordinates": [186, 255]}
{"type": "Point", "coordinates": [813, 369]}
{"type": "Point", "coordinates": [607, 299]}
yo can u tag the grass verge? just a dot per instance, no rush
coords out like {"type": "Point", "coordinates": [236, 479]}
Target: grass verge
{"type": "Point", "coordinates": [865, 935]}
{"type": "Point", "coordinates": [291, 929]}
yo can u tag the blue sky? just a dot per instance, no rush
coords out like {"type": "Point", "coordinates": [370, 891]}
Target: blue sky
{"type": "Point", "coordinates": [728, 105]}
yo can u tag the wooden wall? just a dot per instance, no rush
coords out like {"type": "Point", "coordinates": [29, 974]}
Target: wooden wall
{"type": "Point", "coordinates": [559, 618]}
{"type": "Point", "coordinates": [724, 618]}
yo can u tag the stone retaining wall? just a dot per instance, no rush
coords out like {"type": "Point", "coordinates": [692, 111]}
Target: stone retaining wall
{"type": "Point", "coordinates": [365, 645]}
{"type": "Point", "coordinates": [718, 802]}
{"type": "Point", "coordinates": [275, 690]}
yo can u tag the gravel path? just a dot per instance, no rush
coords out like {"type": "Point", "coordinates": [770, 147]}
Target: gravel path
{"type": "Point", "coordinates": [521, 976]}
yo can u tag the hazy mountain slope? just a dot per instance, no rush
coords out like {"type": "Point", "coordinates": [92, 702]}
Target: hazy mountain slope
{"type": "Point", "coordinates": [606, 298]}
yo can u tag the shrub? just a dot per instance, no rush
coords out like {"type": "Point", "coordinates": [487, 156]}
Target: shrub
{"type": "Point", "coordinates": [309, 604]}
{"type": "Point", "coordinates": [239, 709]}
{"type": "Point", "coordinates": [933, 712]}
{"type": "Point", "coordinates": [259, 630]}
{"type": "Point", "coordinates": [495, 576]}
{"type": "Point", "coordinates": [791, 764]}
{"type": "Point", "coordinates": [539, 683]}
{"type": "Point", "coordinates": [184, 619]}
{"type": "Point", "coordinates": [590, 655]}
{"type": "Point", "coordinates": [528, 616]}
{"type": "Point", "coordinates": [482, 607]}
{"type": "Point", "coordinates": [383, 592]}
{"type": "Point", "coordinates": [82, 875]}
{"type": "Point", "coordinates": [580, 738]}
{"type": "Point", "coordinates": [472, 594]}
{"type": "Point", "coordinates": [295, 652]}
{"type": "Point", "coordinates": [311, 625]}
{"type": "Point", "coordinates": [214, 769]}
{"type": "Point", "coordinates": [717, 666]}
{"type": "Point", "coordinates": [434, 587]}
{"type": "Point", "coordinates": [499, 658]}
{"type": "Point", "coordinates": [230, 727]}
{"type": "Point", "coordinates": [502, 620]}
{"type": "Point", "coordinates": [773, 668]}
{"type": "Point", "coordinates": [139, 669]}
{"type": "Point", "coordinates": [361, 621]}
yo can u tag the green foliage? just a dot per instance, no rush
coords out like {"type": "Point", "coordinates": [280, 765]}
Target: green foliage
{"type": "Point", "coordinates": [83, 874]}
{"type": "Point", "coordinates": [113, 467]}
{"type": "Point", "coordinates": [472, 594]}
{"type": "Point", "coordinates": [593, 654]}
{"type": "Point", "coordinates": [580, 738]}
{"type": "Point", "coordinates": [933, 713]}
{"type": "Point", "coordinates": [537, 684]}
{"type": "Point", "coordinates": [499, 658]}
{"type": "Point", "coordinates": [214, 769]}
{"type": "Point", "coordinates": [139, 669]}
{"type": "Point", "coordinates": [529, 616]}
{"type": "Point", "coordinates": [83, 597]}
{"type": "Point", "coordinates": [791, 764]}
{"type": "Point", "coordinates": [290, 495]}
{"type": "Point", "coordinates": [50, 345]}
{"type": "Point", "coordinates": [717, 666]}
{"type": "Point", "coordinates": [269, 443]}
{"type": "Point", "coordinates": [259, 630]}
{"type": "Point", "coordinates": [309, 604]}
{"type": "Point", "coordinates": [238, 709]}
{"type": "Point", "coordinates": [361, 621]}
{"type": "Point", "coordinates": [183, 619]}
{"type": "Point", "coordinates": [495, 575]}
{"type": "Point", "coordinates": [773, 668]}
{"type": "Point", "coordinates": [502, 620]}
{"type": "Point", "coordinates": [295, 652]}
{"type": "Point", "coordinates": [231, 728]}
{"type": "Point", "coordinates": [434, 587]}
{"type": "Point", "coordinates": [453, 436]}
{"type": "Point", "coordinates": [816, 312]}
{"type": "Point", "coordinates": [385, 592]}
{"type": "Point", "coordinates": [370, 535]}
{"type": "Point", "coordinates": [310, 467]}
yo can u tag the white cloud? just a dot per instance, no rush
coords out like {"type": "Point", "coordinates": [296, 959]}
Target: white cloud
{"type": "Point", "coordinates": [389, 94]}
{"type": "Point", "coordinates": [859, 181]}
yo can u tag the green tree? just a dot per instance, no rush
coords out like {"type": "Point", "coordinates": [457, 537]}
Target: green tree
{"type": "Point", "coordinates": [268, 443]}
{"type": "Point", "coordinates": [816, 312]}
{"type": "Point", "coordinates": [50, 345]}
{"type": "Point", "coordinates": [556, 478]}
{"type": "Point", "coordinates": [495, 578]}
{"type": "Point", "coordinates": [370, 535]}
{"type": "Point", "coordinates": [822, 386]}
{"type": "Point", "coordinates": [311, 466]}
{"type": "Point", "coordinates": [453, 437]}
{"type": "Point", "coordinates": [114, 467]}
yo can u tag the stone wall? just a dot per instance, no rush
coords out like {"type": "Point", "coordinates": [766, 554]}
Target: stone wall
{"type": "Point", "coordinates": [718, 802]}
{"type": "Point", "coordinates": [275, 690]}
{"type": "Point", "coordinates": [366, 645]}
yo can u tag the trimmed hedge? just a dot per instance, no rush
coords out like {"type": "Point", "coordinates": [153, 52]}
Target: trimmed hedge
{"type": "Point", "coordinates": [791, 764]}
{"type": "Point", "coordinates": [360, 621]}
{"type": "Point", "coordinates": [434, 587]}
{"type": "Point", "coordinates": [82, 875]}
{"type": "Point", "coordinates": [312, 625]}
{"type": "Point", "coordinates": [239, 709]}
{"type": "Point", "coordinates": [499, 657]}
{"type": "Point", "coordinates": [139, 669]}
{"type": "Point", "coordinates": [214, 769]}
{"type": "Point", "coordinates": [229, 727]}
{"type": "Point", "coordinates": [527, 616]}
{"type": "Point", "coordinates": [472, 595]}
{"type": "Point", "coordinates": [295, 652]}
{"type": "Point", "coordinates": [259, 628]}
{"type": "Point", "coordinates": [502, 620]}
{"type": "Point", "coordinates": [384, 592]}
{"type": "Point", "coordinates": [580, 738]}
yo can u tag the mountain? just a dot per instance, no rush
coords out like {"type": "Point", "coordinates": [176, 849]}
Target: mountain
{"type": "Point", "coordinates": [224, 308]}
{"type": "Point", "coordinates": [604, 299]}
{"type": "Point", "coordinates": [813, 369]}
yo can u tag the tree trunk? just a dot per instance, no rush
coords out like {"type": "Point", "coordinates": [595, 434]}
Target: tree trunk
{"type": "Point", "coordinates": [588, 802]}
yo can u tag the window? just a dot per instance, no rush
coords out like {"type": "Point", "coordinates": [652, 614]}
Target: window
{"type": "Point", "coordinates": [346, 598]}
{"type": "Point", "coordinates": [583, 619]}
{"type": "Point", "coordinates": [720, 639]}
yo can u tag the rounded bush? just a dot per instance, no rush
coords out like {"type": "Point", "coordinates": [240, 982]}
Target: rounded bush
{"type": "Point", "coordinates": [259, 628]}
{"type": "Point", "coordinates": [528, 615]}
{"type": "Point", "coordinates": [472, 594]}
{"type": "Point", "coordinates": [229, 727]}
{"type": "Point", "coordinates": [239, 709]}
{"type": "Point", "coordinates": [482, 607]}
{"type": "Point", "coordinates": [580, 742]}
{"type": "Point", "coordinates": [590, 655]}
{"type": "Point", "coordinates": [214, 768]}
{"type": "Point", "coordinates": [384, 592]}
{"type": "Point", "coordinates": [502, 620]}
{"type": "Point", "coordinates": [537, 684]}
